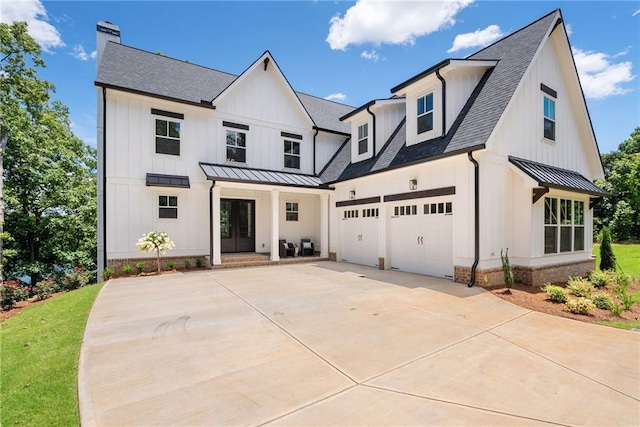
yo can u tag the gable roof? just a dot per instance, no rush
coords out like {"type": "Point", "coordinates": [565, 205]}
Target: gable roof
{"type": "Point", "coordinates": [138, 71]}
{"type": "Point", "coordinates": [477, 119]}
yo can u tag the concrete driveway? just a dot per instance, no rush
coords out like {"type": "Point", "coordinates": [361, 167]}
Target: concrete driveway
{"type": "Point", "coordinates": [322, 345]}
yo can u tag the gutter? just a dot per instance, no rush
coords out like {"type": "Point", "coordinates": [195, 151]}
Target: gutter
{"type": "Point", "coordinates": [314, 149]}
{"type": "Point", "coordinates": [444, 101]}
{"type": "Point", "coordinates": [104, 177]}
{"type": "Point", "coordinates": [213, 184]}
{"type": "Point", "coordinates": [476, 192]}
{"type": "Point", "coordinates": [374, 130]}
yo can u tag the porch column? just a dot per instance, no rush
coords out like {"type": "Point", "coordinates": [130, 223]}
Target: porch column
{"type": "Point", "coordinates": [324, 225]}
{"type": "Point", "coordinates": [215, 225]}
{"type": "Point", "coordinates": [275, 225]}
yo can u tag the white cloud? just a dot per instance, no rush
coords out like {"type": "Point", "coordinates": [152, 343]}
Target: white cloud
{"type": "Point", "coordinates": [637, 12]}
{"type": "Point", "coordinates": [80, 53]}
{"type": "Point", "coordinates": [569, 29]}
{"type": "Point", "coordinates": [336, 97]}
{"type": "Point", "coordinates": [391, 22]}
{"type": "Point", "coordinates": [478, 38]}
{"type": "Point", "coordinates": [371, 55]}
{"type": "Point", "coordinates": [34, 13]}
{"type": "Point", "coordinates": [93, 54]}
{"type": "Point", "coordinates": [600, 77]}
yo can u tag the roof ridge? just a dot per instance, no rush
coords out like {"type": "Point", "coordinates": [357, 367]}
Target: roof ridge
{"type": "Point", "coordinates": [556, 10]}
{"type": "Point", "coordinates": [183, 61]}
{"type": "Point", "coordinates": [323, 99]}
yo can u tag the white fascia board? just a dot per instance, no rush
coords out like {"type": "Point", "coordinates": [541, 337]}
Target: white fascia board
{"type": "Point", "coordinates": [468, 63]}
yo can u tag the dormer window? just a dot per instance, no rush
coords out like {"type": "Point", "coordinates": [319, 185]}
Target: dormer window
{"type": "Point", "coordinates": [425, 113]}
{"type": "Point", "coordinates": [363, 138]}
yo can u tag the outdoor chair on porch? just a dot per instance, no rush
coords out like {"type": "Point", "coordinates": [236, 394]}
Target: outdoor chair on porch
{"type": "Point", "coordinates": [286, 249]}
{"type": "Point", "coordinates": [306, 247]}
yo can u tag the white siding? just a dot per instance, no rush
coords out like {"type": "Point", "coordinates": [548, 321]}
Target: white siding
{"type": "Point", "coordinates": [327, 145]}
{"type": "Point", "coordinates": [460, 84]}
{"type": "Point", "coordinates": [387, 119]}
{"type": "Point", "coordinates": [415, 91]}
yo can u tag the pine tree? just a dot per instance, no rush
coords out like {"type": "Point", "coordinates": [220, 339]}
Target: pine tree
{"type": "Point", "coordinates": [607, 257]}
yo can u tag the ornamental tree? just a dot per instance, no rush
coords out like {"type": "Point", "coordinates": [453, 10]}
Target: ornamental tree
{"type": "Point", "coordinates": [157, 242]}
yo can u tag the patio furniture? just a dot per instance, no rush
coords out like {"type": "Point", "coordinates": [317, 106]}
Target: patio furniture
{"type": "Point", "coordinates": [306, 247]}
{"type": "Point", "coordinates": [286, 249]}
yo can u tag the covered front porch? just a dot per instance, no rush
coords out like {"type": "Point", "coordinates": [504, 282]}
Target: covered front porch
{"type": "Point", "coordinates": [254, 214]}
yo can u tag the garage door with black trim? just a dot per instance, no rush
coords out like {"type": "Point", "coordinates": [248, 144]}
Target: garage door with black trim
{"type": "Point", "coordinates": [421, 237]}
{"type": "Point", "coordinates": [359, 234]}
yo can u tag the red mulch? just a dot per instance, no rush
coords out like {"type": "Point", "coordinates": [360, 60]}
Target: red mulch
{"type": "Point", "coordinates": [534, 298]}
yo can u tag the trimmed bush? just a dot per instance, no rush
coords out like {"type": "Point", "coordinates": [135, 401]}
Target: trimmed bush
{"type": "Point", "coordinates": [580, 305]}
{"type": "Point", "coordinates": [622, 279]}
{"type": "Point", "coordinates": [199, 262]}
{"type": "Point", "coordinates": [107, 273]}
{"type": "Point", "coordinates": [171, 264]}
{"type": "Point", "coordinates": [45, 288]}
{"type": "Point", "coordinates": [187, 263]}
{"type": "Point", "coordinates": [127, 269]}
{"type": "Point", "coordinates": [555, 293]}
{"type": "Point", "coordinates": [601, 279]}
{"type": "Point", "coordinates": [603, 301]}
{"type": "Point", "coordinates": [580, 287]}
{"type": "Point", "coordinates": [140, 266]}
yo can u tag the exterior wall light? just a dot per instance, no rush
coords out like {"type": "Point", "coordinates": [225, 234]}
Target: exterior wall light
{"type": "Point", "coordinates": [352, 194]}
{"type": "Point", "coordinates": [413, 184]}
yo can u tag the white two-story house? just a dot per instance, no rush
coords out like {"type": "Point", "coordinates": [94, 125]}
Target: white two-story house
{"type": "Point", "coordinates": [458, 163]}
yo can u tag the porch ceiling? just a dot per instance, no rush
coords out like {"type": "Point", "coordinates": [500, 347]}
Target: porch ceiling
{"type": "Point", "coordinates": [215, 172]}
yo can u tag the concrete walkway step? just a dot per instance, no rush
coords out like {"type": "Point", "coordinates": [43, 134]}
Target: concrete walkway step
{"type": "Point", "coordinates": [240, 263]}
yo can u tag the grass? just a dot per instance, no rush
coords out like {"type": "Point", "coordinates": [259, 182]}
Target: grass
{"type": "Point", "coordinates": [622, 324]}
{"type": "Point", "coordinates": [627, 257]}
{"type": "Point", "coordinates": [39, 360]}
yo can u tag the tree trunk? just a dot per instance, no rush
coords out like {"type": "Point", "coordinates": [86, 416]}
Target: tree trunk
{"type": "Point", "coordinates": [3, 144]}
{"type": "Point", "coordinates": [158, 257]}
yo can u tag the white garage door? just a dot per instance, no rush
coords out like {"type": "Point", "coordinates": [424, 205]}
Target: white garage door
{"type": "Point", "coordinates": [421, 237]}
{"type": "Point", "coordinates": [359, 234]}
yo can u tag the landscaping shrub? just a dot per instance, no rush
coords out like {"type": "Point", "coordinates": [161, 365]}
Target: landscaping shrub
{"type": "Point", "coordinates": [506, 269]}
{"type": "Point", "coordinates": [187, 263]}
{"type": "Point", "coordinates": [199, 262]}
{"type": "Point", "coordinates": [616, 309]}
{"type": "Point", "coordinates": [45, 288]}
{"type": "Point", "coordinates": [76, 279]}
{"type": "Point", "coordinates": [127, 269]}
{"type": "Point", "coordinates": [580, 287]}
{"type": "Point", "coordinates": [555, 293]}
{"type": "Point", "coordinates": [601, 279]}
{"type": "Point", "coordinates": [580, 305]}
{"type": "Point", "coordinates": [622, 279]}
{"type": "Point", "coordinates": [140, 266]}
{"type": "Point", "coordinates": [607, 257]}
{"type": "Point", "coordinates": [171, 264]}
{"type": "Point", "coordinates": [107, 273]}
{"type": "Point", "coordinates": [627, 300]}
{"type": "Point", "coordinates": [603, 301]}
{"type": "Point", "coordinates": [11, 293]}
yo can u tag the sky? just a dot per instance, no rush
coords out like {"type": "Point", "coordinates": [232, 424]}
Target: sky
{"type": "Point", "coordinates": [350, 52]}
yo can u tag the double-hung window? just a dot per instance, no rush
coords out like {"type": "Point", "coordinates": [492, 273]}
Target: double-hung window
{"type": "Point", "coordinates": [291, 154]}
{"type": "Point", "coordinates": [425, 113]}
{"type": "Point", "coordinates": [168, 207]}
{"type": "Point", "coordinates": [291, 210]}
{"type": "Point", "coordinates": [563, 225]}
{"type": "Point", "coordinates": [549, 111]}
{"type": "Point", "coordinates": [167, 137]}
{"type": "Point", "coordinates": [363, 138]}
{"type": "Point", "coordinates": [236, 146]}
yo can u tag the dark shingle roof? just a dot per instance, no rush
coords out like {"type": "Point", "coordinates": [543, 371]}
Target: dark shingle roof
{"type": "Point", "coordinates": [551, 176]}
{"type": "Point", "coordinates": [152, 74]}
{"type": "Point", "coordinates": [485, 106]}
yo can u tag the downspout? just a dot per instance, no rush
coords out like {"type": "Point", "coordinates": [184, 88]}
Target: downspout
{"type": "Point", "coordinates": [374, 130]}
{"type": "Point", "coordinates": [213, 184]}
{"type": "Point", "coordinates": [104, 177]}
{"type": "Point", "coordinates": [314, 149]}
{"type": "Point", "coordinates": [444, 102]}
{"type": "Point", "coordinates": [476, 209]}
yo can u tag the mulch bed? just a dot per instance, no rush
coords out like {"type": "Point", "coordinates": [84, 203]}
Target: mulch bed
{"type": "Point", "coordinates": [534, 298]}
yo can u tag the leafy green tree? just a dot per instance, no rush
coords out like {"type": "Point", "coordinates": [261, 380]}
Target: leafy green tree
{"type": "Point", "coordinates": [621, 209]}
{"type": "Point", "coordinates": [49, 174]}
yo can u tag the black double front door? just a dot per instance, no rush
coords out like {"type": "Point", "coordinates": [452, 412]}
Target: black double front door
{"type": "Point", "coordinates": [237, 225]}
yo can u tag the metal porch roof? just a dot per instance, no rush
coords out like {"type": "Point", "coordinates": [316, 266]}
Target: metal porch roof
{"type": "Point", "coordinates": [217, 172]}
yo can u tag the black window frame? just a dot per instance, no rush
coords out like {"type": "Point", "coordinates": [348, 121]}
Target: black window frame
{"type": "Point", "coordinates": [292, 211]}
{"type": "Point", "coordinates": [234, 150]}
{"type": "Point", "coordinates": [427, 114]}
{"type": "Point", "coordinates": [165, 142]}
{"type": "Point", "coordinates": [291, 156]}
{"type": "Point", "coordinates": [167, 210]}
{"type": "Point", "coordinates": [363, 138]}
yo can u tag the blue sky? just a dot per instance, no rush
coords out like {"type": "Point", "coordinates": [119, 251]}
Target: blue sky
{"type": "Point", "coordinates": [349, 51]}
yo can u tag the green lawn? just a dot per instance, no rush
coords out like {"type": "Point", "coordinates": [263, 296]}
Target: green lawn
{"type": "Point", "coordinates": [39, 360]}
{"type": "Point", "coordinates": [627, 257]}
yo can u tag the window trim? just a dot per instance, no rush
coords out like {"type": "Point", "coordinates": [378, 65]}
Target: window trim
{"type": "Point", "coordinates": [564, 221]}
{"type": "Point", "coordinates": [292, 154]}
{"type": "Point", "coordinates": [553, 120]}
{"type": "Point", "coordinates": [426, 112]}
{"type": "Point", "coordinates": [237, 147]}
{"type": "Point", "coordinates": [167, 119]}
{"type": "Point", "coordinates": [168, 206]}
{"type": "Point", "coordinates": [292, 213]}
{"type": "Point", "coordinates": [364, 139]}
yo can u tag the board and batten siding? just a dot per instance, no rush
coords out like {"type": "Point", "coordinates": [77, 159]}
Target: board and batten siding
{"type": "Point", "coordinates": [387, 119]}
{"type": "Point", "coordinates": [460, 84]}
{"type": "Point", "coordinates": [520, 132]}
